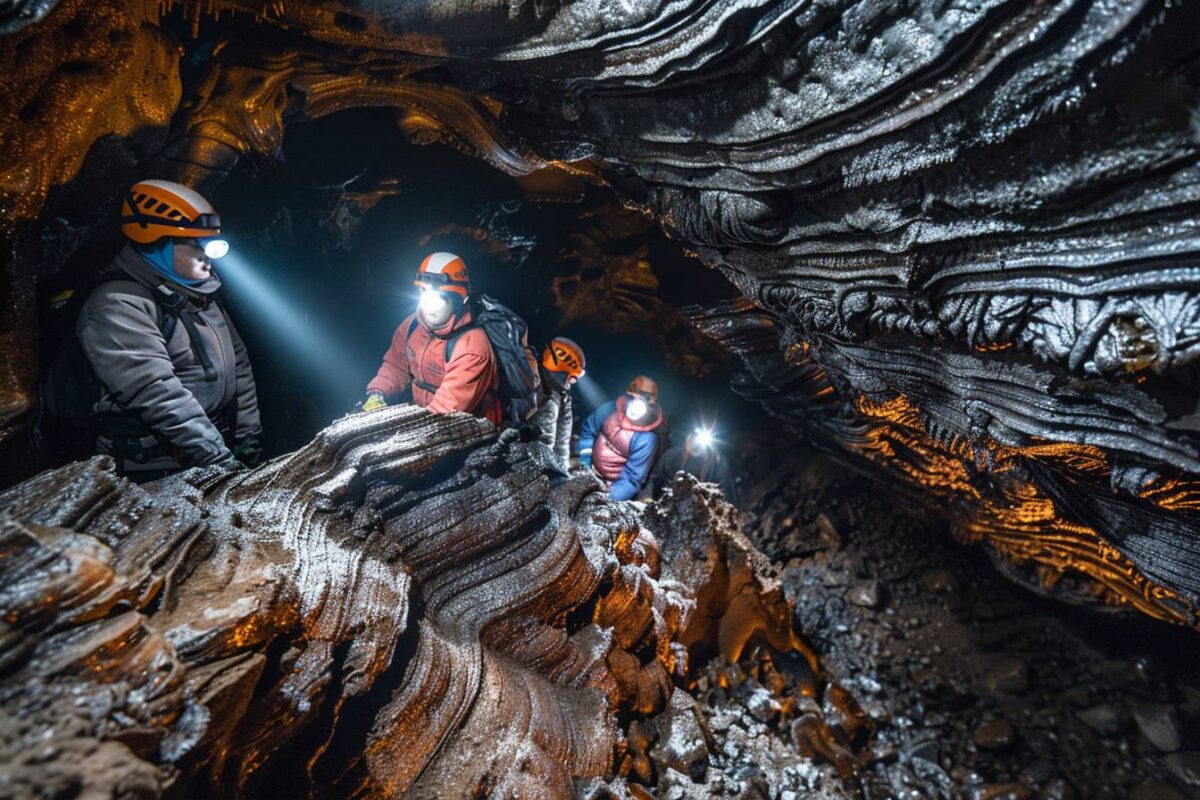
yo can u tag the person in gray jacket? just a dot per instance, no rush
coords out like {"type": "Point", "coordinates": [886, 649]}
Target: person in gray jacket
{"type": "Point", "coordinates": [176, 385]}
{"type": "Point", "coordinates": [562, 365]}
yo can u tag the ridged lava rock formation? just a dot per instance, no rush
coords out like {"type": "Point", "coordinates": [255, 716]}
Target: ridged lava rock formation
{"type": "Point", "coordinates": [411, 605]}
{"type": "Point", "coordinates": [975, 223]}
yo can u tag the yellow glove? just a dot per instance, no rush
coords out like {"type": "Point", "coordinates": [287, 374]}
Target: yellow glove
{"type": "Point", "coordinates": [374, 402]}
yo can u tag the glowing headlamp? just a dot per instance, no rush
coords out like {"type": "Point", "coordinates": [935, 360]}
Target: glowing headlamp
{"type": "Point", "coordinates": [432, 303]}
{"type": "Point", "coordinates": [637, 409]}
{"type": "Point", "coordinates": [215, 248]}
{"type": "Point", "coordinates": [703, 437]}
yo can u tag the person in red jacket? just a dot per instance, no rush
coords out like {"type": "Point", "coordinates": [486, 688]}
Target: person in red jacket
{"type": "Point", "coordinates": [466, 381]}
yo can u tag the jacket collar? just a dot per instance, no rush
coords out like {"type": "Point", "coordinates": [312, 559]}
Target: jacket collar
{"type": "Point", "coordinates": [461, 321]}
{"type": "Point", "coordinates": [630, 425]}
{"type": "Point", "coordinates": [552, 382]}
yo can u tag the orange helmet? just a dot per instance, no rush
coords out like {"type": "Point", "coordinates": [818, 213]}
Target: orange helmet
{"type": "Point", "coordinates": [154, 209]}
{"type": "Point", "coordinates": [444, 272]}
{"type": "Point", "coordinates": [644, 386]}
{"type": "Point", "coordinates": [563, 355]}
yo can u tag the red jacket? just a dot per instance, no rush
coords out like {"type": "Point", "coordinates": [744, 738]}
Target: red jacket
{"type": "Point", "coordinates": [470, 382]}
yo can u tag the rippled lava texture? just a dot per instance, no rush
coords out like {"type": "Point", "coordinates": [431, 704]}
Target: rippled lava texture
{"type": "Point", "coordinates": [409, 606]}
{"type": "Point", "coordinates": [966, 234]}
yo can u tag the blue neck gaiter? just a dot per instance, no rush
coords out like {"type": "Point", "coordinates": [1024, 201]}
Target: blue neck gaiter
{"type": "Point", "coordinates": [161, 256]}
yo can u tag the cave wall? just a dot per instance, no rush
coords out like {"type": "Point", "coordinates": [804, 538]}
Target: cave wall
{"type": "Point", "coordinates": [965, 234]}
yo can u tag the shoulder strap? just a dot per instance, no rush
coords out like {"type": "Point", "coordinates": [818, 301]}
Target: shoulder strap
{"type": "Point", "coordinates": [473, 306]}
{"type": "Point", "coordinates": [169, 308]}
{"type": "Point", "coordinates": [172, 309]}
{"type": "Point", "coordinates": [453, 338]}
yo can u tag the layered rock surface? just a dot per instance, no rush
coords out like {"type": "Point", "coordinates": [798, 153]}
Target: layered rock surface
{"type": "Point", "coordinates": [974, 227]}
{"type": "Point", "coordinates": [409, 606]}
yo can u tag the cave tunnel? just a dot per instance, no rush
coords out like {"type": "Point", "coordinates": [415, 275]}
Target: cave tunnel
{"type": "Point", "coordinates": [929, 271]}
{"type": "Point", "coordinates": [326, 240]}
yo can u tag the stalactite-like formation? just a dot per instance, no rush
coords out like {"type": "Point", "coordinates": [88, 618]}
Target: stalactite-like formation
{"type": "Point", "coordinates": [408, 606]}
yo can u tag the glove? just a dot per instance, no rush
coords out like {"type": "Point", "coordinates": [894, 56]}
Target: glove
{"type": "Point", "coordinates": [374, 402]}
{"type": "Point", "coordinates": [229, 462]}
{"type": "Point", "coordinates": [248, 451]}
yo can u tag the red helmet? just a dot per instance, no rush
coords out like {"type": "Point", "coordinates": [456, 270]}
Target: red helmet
{"type": "Point", "coordinates": [646, 387]}
{"type": "Point", "coordinates": [563, 355]}
{"type": "Point", "coordinates": [444, 272]}
{"type": "Point", "coordinates": [154, 209]}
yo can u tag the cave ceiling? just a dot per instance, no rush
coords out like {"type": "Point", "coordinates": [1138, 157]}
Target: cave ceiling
{"type": "Point", "coordinates": [965, 235]}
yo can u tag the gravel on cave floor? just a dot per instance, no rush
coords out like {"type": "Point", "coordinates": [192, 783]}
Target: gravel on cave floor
{"type": "Point", "coordinates": [975, 687]}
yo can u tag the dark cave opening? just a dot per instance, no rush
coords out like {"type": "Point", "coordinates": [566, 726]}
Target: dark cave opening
{"type": "Point", "coordinates": [327, 239]}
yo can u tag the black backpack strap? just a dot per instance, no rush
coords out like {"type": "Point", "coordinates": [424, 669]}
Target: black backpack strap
{"type": "Point", "coordinates": [473, 307]}
{"type": "Point", "coordinates": [173, 307]}
{"type": "Point", "coordinates": [189, 323]}
{"type": "Point", "coordinates": [448, 354]}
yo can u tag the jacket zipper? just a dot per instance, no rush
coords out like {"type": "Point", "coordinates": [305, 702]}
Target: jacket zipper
{"type": "Point", "coordinates": [421, 362]}
{"type": "Point", "coordinates": [225, 357]}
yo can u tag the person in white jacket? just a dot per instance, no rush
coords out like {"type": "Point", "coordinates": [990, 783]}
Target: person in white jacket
{"type": "Point", "coordinates": [563, 364]}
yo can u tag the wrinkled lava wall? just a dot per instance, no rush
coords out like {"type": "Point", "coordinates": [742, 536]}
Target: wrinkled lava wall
{"type": "Point", "coordinates": [966, 234]}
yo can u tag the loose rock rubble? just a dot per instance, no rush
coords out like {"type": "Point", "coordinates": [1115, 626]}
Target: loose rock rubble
{"type": "Point", "coordinates": [738, 739]}
{"type": "Point", "coordinates": [976, 688]}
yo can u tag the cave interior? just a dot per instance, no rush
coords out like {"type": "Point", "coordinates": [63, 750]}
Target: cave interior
{"type": "Point", "coordinates": [929, 271]}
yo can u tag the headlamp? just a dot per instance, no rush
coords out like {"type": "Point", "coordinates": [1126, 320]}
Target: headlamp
{"type": "Point", "coordinates": [703, 437]}
{"type": "Point", "coordinates": [432, 303]}
{"type": "Point", "coordinates": [637, 409]}
{"type": "Point", "coordinates": [215, 248]}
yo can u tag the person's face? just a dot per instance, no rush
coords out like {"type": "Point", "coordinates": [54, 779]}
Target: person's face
{"type": "Point", "coordinates": [435, 308]}
{"type": "Point", "coordinates": [190, 262]}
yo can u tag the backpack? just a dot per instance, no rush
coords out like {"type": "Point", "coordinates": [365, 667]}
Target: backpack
{"type": "Point", "coordinates": [517, 362]}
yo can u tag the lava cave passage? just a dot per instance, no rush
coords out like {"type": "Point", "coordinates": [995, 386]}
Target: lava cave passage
{"type": "Point", "coordinates": [326, 241]}
{"type": "Point", "coordinates": [855, 452]}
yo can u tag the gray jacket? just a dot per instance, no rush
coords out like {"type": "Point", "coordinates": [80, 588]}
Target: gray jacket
{"type": "Point", "coordinates": [555, 419]}
{"type": "Point", "coordinates": [164, 382]}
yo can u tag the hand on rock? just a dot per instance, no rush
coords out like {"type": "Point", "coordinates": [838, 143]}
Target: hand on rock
{"type": "Point", "coordinates": [248, 451]}
{"type": "Point", "coordinates": [374, 402]}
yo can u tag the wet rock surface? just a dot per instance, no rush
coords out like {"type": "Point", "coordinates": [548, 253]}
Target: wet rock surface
{"type": "Point", "coordinates": [412, 605]}
{"type": "Point", "coordinates": [972, 228]}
